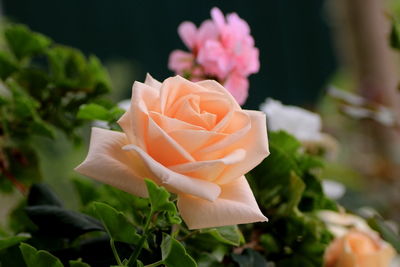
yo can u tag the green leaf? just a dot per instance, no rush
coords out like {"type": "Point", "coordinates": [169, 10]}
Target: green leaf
{"type": "Point", "coordinates": [24, 43]}
{"type": "Point", "coordinates": [395, 35]}
{"type": "Point", "coordinates": [60, 222]}
{"type": "Point", "coordinates": [7, 66]}
{"type": "Point", "coordinates": [174, 254]}
{"type": "Point", "coordinates": [387, 233]}
{"type": "Point", "coordinates": [12, 241]}
{"type": "Point", "coordinates": [43, 128]}
{"type": "Point", "coordinates": [230, 235]}
{"type": "Point", "coordinates": [116, 224]}
{"type": "Point", "coordinates": [249, 258]}
{"type": "Point", "coordinates": [284, 141]}
{"type": "Point", "coordinates": [78, 263]}
{"type": "Point", "coordinates": [159, 198]}
{"type": "Point", "coordinates": [41, 194]}
{"type": "Point", "coordinates": [93, 112]}
{"type": "Point", "coordinates": [38, 258]}
{"type": "Point", "coordinates": [86, 190]}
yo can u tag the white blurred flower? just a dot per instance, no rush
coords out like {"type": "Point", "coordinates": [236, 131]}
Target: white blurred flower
{"type": "Point", "coordinates": [125, 104]}
{"type": "Point", "coordinates": [303, 124]}
{"type": "Point", "coordinates": [340, 223]}
{"type": "Point", "coordinates": [333, 189]}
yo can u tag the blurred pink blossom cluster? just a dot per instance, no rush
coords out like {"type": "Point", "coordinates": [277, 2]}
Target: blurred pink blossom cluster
{"type": "Point", "coordinates": [221, 49]}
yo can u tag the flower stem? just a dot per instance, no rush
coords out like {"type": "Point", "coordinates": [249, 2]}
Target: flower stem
{"type": "Point", "coordinates": [114, 250]}
{"type": "Point", "coordinates": [157, 263]}
{"type": "Point", "coordinates": [135, 254]}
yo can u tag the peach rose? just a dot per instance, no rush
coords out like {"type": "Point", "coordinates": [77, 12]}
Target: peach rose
{"type": "Point", "coordinates": [193, 139]}
{"type": "Point", "coordinates": [358, 249]}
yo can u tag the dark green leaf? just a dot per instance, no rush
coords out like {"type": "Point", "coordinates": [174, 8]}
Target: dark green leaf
{"type": "Point", "coordinates": [41, 194]}
{"type": "Point", "coordinates": [12, 241]}
{"type": "Point", "coordinates": [174, 254]}
{"type": "Point", "coordinates": [249, 258]}
{"type": "Point", "coordinates": [230, 235]}
{"type": "Point", "coordinates": [86, 190]}
{"type": "Point", "coordinates": [387, 233]}
{"type": "Point", "coordinates": [395, 35]}
{"type": "Point", "coordinates": [78, 263]}
{"type": "Point", "coordinates": [117, 225]}
{"type": "Point", "coordinates": [56, 221]}
{"type": "Point", "coordinates": [38, 258]}
{"type": "Point", "coordinates": [24, 43]}
{"type": "Point", "coordinates": [7, 66]}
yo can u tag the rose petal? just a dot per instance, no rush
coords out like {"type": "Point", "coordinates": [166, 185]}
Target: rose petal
{"type": "Point", "coordinates": [215, 86]}
{"type": "Point", "coordinates": [187, 31]}
{"type": "Point", "coordinates": [256, 145]}
{"type": "Point", "coordinates": [126, 124]}
{"type": "Point", "coordinates": [144, 98]}
{"type": "Point", "coordinates": [193, 140]}
{"type": "Point", "coordinates": [209, 170]}
{"type": "Point", "coordinates": [235, 205]}
{"type": "Point", "coordinates": [108, 163]}
{"type": "Point", "coordinates": [176, 182]}
{"type": "Point", "coordinates": [190, 113]}
{"type": "Point", "coordinates": [239, 126]}
{"type": "Point", "coordinates": [161, 146]}
{"type": "Point", "coordinates": [175, 88]}
{"type": "Point", "coordinates": [171, 124]}
{"type": "Point", "coordinates": [150, 81]}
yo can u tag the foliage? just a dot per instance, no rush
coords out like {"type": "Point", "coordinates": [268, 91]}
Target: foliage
{"type": "Point", "coordinates": [289, 193]}
{"type": "Point", "coordinates": [47, 87]}
{"type": "Point", "coordinates": [42, 86]}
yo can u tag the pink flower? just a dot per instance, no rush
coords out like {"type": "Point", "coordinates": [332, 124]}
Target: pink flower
{"type": "Point", "coordinates": [221, 48]}
{"type": "Point", "coordinates": [238, 86]}
{"type": "Point", "coordinates": [179, 61]}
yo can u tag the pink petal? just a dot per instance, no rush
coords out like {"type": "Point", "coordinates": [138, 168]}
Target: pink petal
{"type": "Point", "coordinates": [239, 25]}
{"type": "Point", "coordinates": [214, 59]}
{"type": "Point", "coordinates": [187, 31]}
{"type": "Point", "coordinates": [108, 163]}
{"type": "Point", "coordinates": [176, 182]}
{"type": "Point", "coordinates": [238, 86]}
{"type": "Point", "coordinates": [235, 205]}
{"type": "Point", "coordinates": [218, 17]}
{"type": "Point", "coordinates": [180, 61]}
{"type": "Point", "coordinates": [207, 31]}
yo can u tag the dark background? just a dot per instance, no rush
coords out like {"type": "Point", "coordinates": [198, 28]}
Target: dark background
{"type": "Point", "coordinates": [293, 36]}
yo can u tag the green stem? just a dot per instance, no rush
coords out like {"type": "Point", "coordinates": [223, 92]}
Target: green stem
{"type": "Point", "coordinates": [114, 250]}
{"type": "Point", "coordinates": [157, 263]}
{"type": "Point", "coordinates": [135, 254]}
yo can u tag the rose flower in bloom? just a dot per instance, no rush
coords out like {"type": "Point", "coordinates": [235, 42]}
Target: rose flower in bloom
{"type": "Point", "coordinates": [193, 139]}
{"type": "Point", "coordinates": [356, 244]}
{"type": "Point", "coordinates": [220, 48]}
{"type": "Point", "coordinates": [358, 249]}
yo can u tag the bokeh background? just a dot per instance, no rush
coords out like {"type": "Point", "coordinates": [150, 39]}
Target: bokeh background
{"type": "Point", "coordinates": [303, 51]}
{"type": "Point", "coordinates": [135, 37]}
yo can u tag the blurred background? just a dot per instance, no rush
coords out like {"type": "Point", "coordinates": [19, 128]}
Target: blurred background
{"type": "Point", "coordinates": [305, 48]}
{"type": "Point", "coordinates": [136, 37]}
